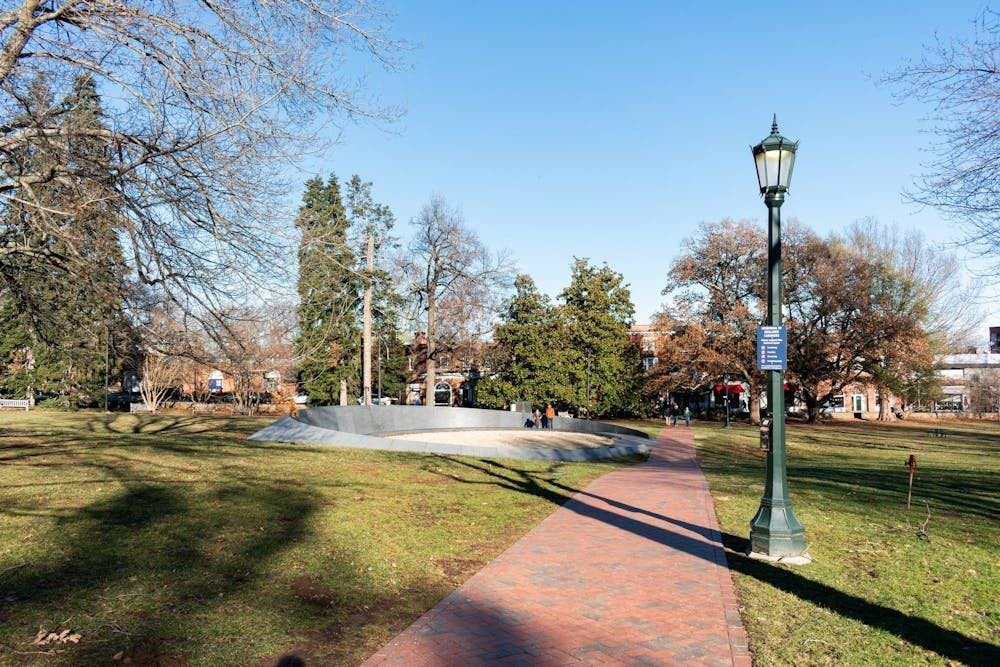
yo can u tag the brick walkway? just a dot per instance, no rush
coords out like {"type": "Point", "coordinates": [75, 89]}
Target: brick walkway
{"type": "Point", "coordinates": [631, 571]}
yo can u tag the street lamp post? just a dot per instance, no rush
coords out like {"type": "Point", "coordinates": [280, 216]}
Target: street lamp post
{"type": "Point", "coordinates": [725, 380]}
{"type": "Point", "coordinates": [775, 532]}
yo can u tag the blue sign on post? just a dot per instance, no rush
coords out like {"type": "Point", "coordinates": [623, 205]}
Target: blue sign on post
{"type": "Point", "coordinates": [772, 348]}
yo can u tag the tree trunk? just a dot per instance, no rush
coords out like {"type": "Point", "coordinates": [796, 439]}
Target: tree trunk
{"type": "Point", "coordinates": [431, 362]}
{"type": "Point", "coordinates": [343, 392]}
{"type": "Point", "coordinates": [754, 403]}
{"type": "Point", "coordinates": [883, 405]}
{"type": "Point", "coordinates": [812, 408]}
{"type": "Point", "coordinates": [366, 359]}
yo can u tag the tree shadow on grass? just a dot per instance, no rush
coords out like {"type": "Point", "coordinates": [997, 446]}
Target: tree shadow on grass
{"type": "Point", "coordinates": [174, 551]}
{"type": "Point", "coordinates": [913, 629]}
{"type": "Point", "coordinates": [967, 491]}
{"type": "Point", "coordinates": [971, 491]}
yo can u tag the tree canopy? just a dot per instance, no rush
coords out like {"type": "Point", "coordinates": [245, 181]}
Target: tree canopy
{"type": "Point", "coordinates": [211, 100]}
{"type": "Point", "coordinates": [959, 79]}
{"type": "Point", "coordinates": [530, 353]}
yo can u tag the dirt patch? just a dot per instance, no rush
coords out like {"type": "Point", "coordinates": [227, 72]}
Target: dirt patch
{"type": "Point", "coordinates": [458, 570]}
{"type": "Point", "coordinates": [147, 654]}
{"type": "Point", "coordinates": [312, 591]}
{"type": "Point", "coordinates": [320, 647]}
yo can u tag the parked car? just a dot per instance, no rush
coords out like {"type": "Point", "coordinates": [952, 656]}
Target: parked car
{"type": "Point", "coordinates": [377, 400]}
{"type": "Point", "coordinates": [122, 399]}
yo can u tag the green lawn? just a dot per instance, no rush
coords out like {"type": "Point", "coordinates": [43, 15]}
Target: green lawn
{"type": "Point", "coordinates": [877, 592]}
{"type": "Point", "coordinates": [173, 539]}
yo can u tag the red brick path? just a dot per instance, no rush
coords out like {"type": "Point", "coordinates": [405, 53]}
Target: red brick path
{"type": "Point", "coordinates": [631, 571]}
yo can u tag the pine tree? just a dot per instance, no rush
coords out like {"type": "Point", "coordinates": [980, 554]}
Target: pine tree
{"type": "Point", "coordinates": [530, 356]}
{"type": "Point", "coordinates": [56, 326]}
{"type": "Point", "coordinates": [329, 338]}
{"type": "Point", "coordinates": [598, 310]}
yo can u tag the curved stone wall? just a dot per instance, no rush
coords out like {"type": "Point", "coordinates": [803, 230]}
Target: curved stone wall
{"type": "Point", "coordinates": [362, 427]}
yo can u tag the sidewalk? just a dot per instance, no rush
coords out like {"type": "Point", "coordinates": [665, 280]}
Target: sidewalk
{"type": "Point", "coordinates": [631, 571]}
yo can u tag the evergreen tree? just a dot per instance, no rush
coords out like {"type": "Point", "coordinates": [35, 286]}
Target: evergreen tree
{"type": "Point", "coordinates": [530, 357]}
{"type": "Point", "coordinates": [56, 326]}
{"type": "Point", "coordinates": [598, 310]}
{"type": "Point", "coordinates": [328, 344]}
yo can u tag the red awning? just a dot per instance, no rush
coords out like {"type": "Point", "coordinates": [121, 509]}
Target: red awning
{"type": "Point", "coordinates": [733, 388]}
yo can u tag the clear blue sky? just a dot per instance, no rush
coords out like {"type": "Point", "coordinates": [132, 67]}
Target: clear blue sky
{"type": "Point", "coordinates": [610, 130]}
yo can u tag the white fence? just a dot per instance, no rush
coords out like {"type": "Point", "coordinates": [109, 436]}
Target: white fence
{"type": "Point", "coordinates": [14, 403]}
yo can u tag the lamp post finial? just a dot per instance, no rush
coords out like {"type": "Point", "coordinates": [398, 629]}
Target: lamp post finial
{"type": "Point", "coordinates": [774, 124]}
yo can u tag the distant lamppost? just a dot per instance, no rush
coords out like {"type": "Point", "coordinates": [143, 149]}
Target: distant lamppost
{"type": "Point", "coordinates": [725, 380]}
{"type": "Point", "coordinates": [775, 532]}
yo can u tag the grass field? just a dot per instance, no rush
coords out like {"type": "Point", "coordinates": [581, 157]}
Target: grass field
{"type": "Point", "coordinates": [878, 592]}
{"type": "Point", "coordinates": [171, 540]}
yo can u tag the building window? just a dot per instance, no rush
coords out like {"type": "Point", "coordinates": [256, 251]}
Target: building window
{"type": "Point", "coordinates": [648, 362]}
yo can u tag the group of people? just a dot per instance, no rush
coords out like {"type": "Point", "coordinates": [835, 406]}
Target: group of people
{"type": "Point", "coordinates": [673, 413]}
{"type": "Point", "coordinates": [541, 419]}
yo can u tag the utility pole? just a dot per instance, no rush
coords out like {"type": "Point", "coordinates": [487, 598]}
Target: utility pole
{"type": "Point", "coordinates": [366, 361]}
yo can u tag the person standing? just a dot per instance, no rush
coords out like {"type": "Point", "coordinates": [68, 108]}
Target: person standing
{"type": "Point", "coordinates": [687, 416]}
{"type": "Point", "coordinates": [538, 417]}
{"type": "Point", "coordinates": [550, 415]}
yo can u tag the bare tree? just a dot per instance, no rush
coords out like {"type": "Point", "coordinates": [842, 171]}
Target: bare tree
{"type": "Point", "coordinates": [960, 80]}
{"type": "Point", "coordinates": [926, 295]}
{"type": "Point", "coordinates": [256, 342]}
{"type": "Point", "coordinates": [455, 283]}
{"type": "Point", "coordinates": [159, 375]}
{"type": "Point", "coordinates": [209, 100]}
{"type": "Point", "coordinates": [243, 343]}
{"type": "Point", "coordinates": [984, 392]}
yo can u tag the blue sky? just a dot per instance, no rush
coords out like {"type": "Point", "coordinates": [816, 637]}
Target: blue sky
{"type": "Point", "coordinates": [611, 130]}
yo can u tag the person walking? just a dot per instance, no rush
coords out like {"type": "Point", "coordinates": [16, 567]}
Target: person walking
{"type": "Point", "coordinates": [687, 416]}
{"type": "Point", "coordinates": [538, 418]}
{"type": "Point", "coordinates": [550, 415]}
{"type": "Point", "coordinates": [674, 411]}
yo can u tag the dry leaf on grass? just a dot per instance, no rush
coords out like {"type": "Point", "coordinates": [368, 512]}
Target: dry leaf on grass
{"type": "Point", "coordinates": [44, 637]}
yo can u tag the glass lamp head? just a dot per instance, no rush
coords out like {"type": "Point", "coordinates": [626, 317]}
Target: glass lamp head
{"type": "Point", "coordinates": [774, 158]}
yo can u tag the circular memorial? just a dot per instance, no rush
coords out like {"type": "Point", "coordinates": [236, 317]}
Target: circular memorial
{"type": "Point", "coordinates": [455, 431]}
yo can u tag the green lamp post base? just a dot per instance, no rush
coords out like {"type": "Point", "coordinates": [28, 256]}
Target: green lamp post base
{"type": "Point", "coordinates": [776, 534]}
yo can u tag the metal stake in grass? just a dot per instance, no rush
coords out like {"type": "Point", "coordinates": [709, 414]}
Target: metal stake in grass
{"type": "Point", "coordinates": [911, 463]}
